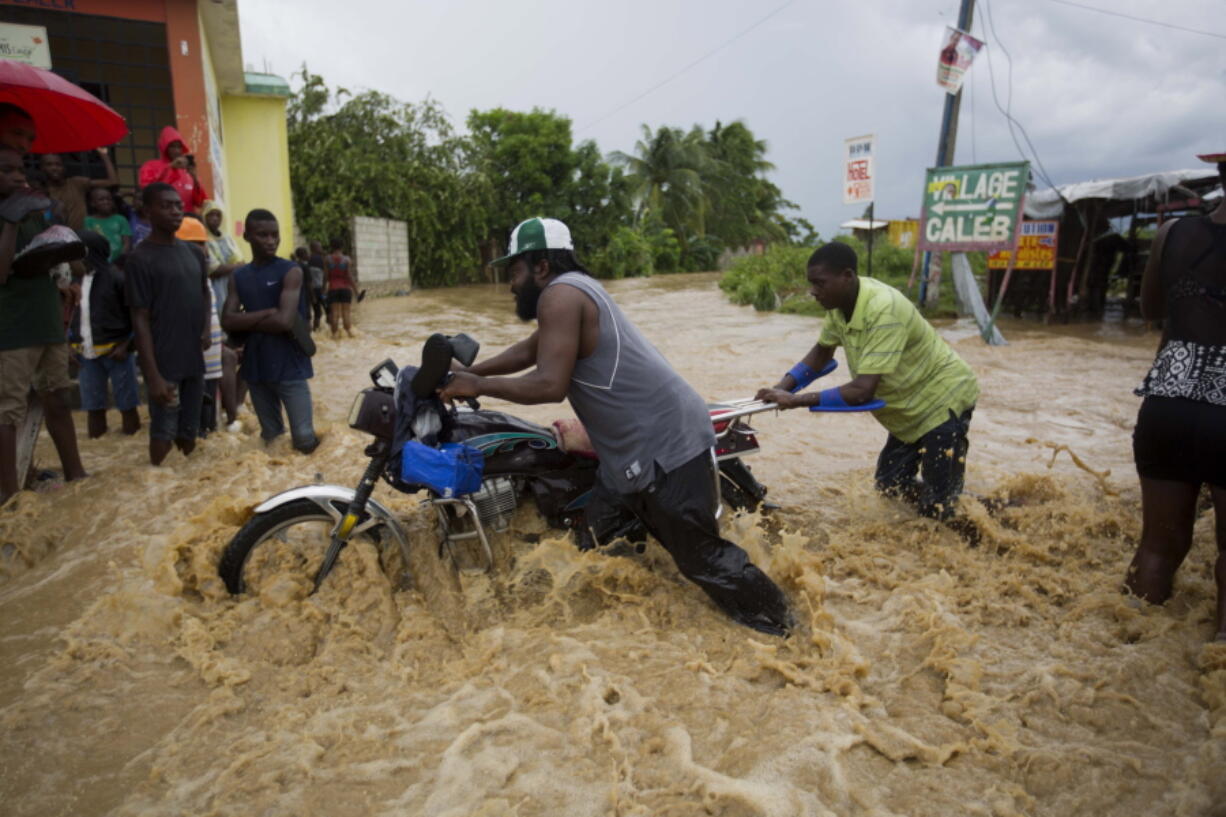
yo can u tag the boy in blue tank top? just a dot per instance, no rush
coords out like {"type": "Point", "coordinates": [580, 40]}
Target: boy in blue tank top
{"type": "Point", "coordinates": [267, 301]}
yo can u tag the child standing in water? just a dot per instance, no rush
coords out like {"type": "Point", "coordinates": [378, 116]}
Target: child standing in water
{"type": "Point", "coordinates": [101, 335]}
{"type": "Point", "coordinates": [103, 219]}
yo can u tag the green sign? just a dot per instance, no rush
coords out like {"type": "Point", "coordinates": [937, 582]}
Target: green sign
{"type": "Point", "coordinates": [973, 208]}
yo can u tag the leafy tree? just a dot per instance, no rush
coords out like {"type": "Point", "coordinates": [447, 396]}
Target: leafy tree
{"type": "Point", "coordinates": [743, 201]}
{"type": "Point", "coordinates": [533, 169]}
{"type": "Point", "coordinates": [709, 188]}
{"type": "Point", "coordinates": [677, 203]}
{"type": "Point", "coordinates": [666, 176]}
{"type": "Point", "coordinates": [527, 160]}
{"type": "Point", "coordinates": [370, 155]}
{"type": "Point", "coordinates": [597, 200]}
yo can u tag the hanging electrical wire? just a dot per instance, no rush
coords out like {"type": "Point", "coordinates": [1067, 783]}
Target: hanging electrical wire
{"type": "Point", "coordinates": [974, 141]}
{"type": "Point", "coordinates": [1006, 110]}
{"type": "Point", "coordinates": [687, 67]}
{"type": "Point", "coordinates": [1140, 19]}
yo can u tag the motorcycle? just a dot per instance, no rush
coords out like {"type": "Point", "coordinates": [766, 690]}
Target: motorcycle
{"type": "Point", "coordinates": [555, 466]}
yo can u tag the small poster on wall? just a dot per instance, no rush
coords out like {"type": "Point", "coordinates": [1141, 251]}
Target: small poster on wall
{"type": "Point", "coordinates": [26, 44]}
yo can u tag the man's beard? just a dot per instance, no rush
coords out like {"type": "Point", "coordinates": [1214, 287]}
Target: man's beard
{"type": "Point", "coordinates": [526, 300]}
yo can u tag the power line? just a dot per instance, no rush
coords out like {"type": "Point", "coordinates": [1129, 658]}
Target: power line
{"type": "Point", "coordinates": [1006, 111]}
{"type": "Point", "coordinates": [974, 141]}
{"type": "Point", "coordinates": [673, 76]}
{"type": "Point", "coordinates": [1140, 19]}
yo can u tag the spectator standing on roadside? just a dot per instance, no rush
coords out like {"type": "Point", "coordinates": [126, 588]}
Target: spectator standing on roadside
{"type": "Point", "coordinates": [193, 232]}
{"type": "Point", "coordinates": [33, 351]}
{"type": "Point", "coordinates": [223, 253]}
{"type": "Point", "coordinates": [176, 168]}
{"type": "Point", "coordinates": [70, 192]}
{"type": "Point", "coordinates": [103, 219]}
{"type": "Point", "coordinates": [1179, 442]}
{"type": "Point", "coordinates": [313, 284]}
{"type": "Point", "coordinates": [138, 223]}
{"type": "Point", "coordinates": [168, 293]}
{"type": "Point", "coordinates": [101, 335]}
{"type": "Point", "coordinates": [315, 270]}
{"type": "Point", "coordinates": [268, 302]}
{"type": "Point", "coordinates": [342, 283]}
{"type": "Point", "coordinates": [16, 128]}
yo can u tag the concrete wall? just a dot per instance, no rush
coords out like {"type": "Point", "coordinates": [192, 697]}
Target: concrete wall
{"type": "Point", "coordinates": [257, 164]}
{"type": "Point", "coordinates": [381, 254]}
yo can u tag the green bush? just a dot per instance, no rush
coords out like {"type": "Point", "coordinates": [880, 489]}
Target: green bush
{"type": "Point", "coordinates": [777, 280]}
{"type": "Point", "coordinates": [702, 254]}
{"type": "Point", "coordinates": [628, 254]}
{"type": "Point", "coordinates": [665, 250]}
{"type": "Point", "coordinates": [763, 281]}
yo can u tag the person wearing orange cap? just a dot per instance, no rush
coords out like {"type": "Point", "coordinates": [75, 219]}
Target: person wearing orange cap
{"type": "Point", "coordinates": [220, 361]}
{"type": "Point", "coordinates": [168, 293]}
{"type": "Point", "coordinates": [1180, 438]}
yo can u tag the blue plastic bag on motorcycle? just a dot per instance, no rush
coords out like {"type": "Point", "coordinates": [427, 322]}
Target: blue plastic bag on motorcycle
{"type": "Point", "coordinates": [451, 470]}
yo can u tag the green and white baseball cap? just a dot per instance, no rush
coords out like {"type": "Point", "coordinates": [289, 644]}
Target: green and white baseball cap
{"type": "Point", "coordinates": [537, 234]}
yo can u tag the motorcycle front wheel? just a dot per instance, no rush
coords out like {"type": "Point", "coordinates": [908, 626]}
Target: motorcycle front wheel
{"type": "Point", "coordinates": [289, 540]}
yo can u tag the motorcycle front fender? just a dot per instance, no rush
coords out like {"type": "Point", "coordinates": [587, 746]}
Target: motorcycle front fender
{"type": "Point", "coordinates": [334, 499]}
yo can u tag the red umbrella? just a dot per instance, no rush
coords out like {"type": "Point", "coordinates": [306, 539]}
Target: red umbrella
{"type": "Point", "coordinates": [66, 118]}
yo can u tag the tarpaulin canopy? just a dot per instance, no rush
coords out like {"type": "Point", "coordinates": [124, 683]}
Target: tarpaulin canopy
{"type": "Point", "coordinates": [1048, 204]}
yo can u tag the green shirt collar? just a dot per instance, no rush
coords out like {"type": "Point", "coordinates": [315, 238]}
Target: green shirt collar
{"type": "Point", "coordinates": [857, 312]}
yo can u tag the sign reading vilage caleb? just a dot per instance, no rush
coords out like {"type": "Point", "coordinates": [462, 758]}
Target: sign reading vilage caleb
{"type": "Point", "coordinates": [973, 208]}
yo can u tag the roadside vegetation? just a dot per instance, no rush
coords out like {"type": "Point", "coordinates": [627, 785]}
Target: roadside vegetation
{"type": "Point", "coordinates": [776, 279]}
{"type": "Point", "coordinates": [675, 203]}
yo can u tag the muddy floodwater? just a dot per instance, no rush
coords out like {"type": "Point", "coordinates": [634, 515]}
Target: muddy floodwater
{"type": "Point", "coordinates": [925, 678]}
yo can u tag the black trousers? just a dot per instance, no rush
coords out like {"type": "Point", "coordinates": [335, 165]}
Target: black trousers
{"type": "Point", "coordinates": [939, 457]}
{"type": "Point", "coordinates": [318, 307]}
{"type": "Point", "coordinates": [678, 509]}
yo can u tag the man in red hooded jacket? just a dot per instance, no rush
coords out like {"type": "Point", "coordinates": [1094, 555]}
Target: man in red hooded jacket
{"type": "Point", "coordinates": [176, 169]}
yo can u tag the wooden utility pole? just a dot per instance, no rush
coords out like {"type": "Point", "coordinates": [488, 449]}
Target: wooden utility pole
{"type": "Point", "coordinates": [930, 294]}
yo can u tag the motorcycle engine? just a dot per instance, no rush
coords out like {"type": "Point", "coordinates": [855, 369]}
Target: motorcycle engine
{"type": "Point", "coordinates": [495, 503]}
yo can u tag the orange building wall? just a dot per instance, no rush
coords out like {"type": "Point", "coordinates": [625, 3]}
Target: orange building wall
{"type": "Point", "coordinates": [151, 10]}
{"type": "Point", "coordinates": [187, 78]}
{"type": "Point", "coordinates": [186, 70]}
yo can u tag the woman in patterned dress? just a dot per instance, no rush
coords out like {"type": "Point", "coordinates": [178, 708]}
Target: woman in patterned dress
{"type": "Point", "coordinates": [1180, 439]}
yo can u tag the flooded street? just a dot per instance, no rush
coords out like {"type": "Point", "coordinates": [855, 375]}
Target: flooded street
{"type": "Point", "coordinates": [926, 678]}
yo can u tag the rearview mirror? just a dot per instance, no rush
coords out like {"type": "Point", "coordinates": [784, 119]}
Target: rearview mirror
{"type": "Point", "coordinates": [384, 375]}
{"type": "Point", "coordinates": [464, 349]}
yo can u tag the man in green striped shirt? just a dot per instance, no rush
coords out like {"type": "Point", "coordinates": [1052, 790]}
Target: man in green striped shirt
{"type": "Point", "coordinates": [896, 356]}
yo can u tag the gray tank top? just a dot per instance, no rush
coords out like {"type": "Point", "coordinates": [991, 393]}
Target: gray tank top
{"type": "Point", "coordinates": [638, 412]}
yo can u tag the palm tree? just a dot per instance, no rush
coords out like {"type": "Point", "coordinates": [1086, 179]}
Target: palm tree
{"type": "Point", "coordinates": [666, 176]}
{"type": "Point", "coordinates": [743, 203]}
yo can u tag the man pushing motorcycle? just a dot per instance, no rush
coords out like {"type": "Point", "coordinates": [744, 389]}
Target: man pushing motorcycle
{"type": "Point", "coordinates": [650, 429]}
{"type": "Point", "coordinates": [929, 392]}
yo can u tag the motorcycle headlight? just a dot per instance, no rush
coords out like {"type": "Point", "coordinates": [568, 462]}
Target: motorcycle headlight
{"type": "Point", "coordinates": [355, 411]}
{"type": "Point", "coordinates": [374, 412]}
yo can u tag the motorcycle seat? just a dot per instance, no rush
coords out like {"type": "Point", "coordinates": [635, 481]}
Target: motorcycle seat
{"type": "Point", "coordinates": [573, 438]}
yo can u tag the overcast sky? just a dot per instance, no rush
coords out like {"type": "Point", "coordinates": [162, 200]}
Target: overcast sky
{"type": "Point", "coordinates": [1100, 96]}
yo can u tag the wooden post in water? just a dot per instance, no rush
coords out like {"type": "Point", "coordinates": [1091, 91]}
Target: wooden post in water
{"type": "Point", "coordinates": [871, 229]}
{"type": "Point", "coordinates": [27, 438]}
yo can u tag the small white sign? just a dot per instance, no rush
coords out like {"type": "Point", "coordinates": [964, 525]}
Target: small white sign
{"type": "Point", "coordinates": [26, 44]}
{"type": "Point", "coordinates": [858, 153]}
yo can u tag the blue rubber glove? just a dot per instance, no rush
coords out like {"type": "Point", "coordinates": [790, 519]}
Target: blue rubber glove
{"type": "Point", "coordinates": [832, 400]}
{"type": "Point", "coordinates": [803, 374]}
